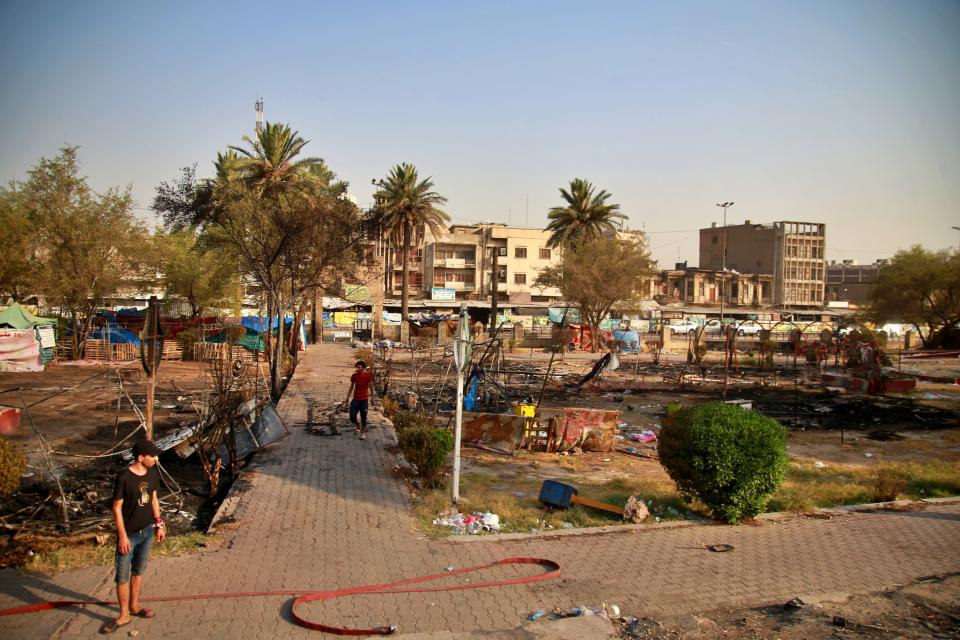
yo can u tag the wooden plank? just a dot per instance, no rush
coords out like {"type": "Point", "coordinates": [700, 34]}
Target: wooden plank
{"type": "Point", "coordinates": [596, 504]}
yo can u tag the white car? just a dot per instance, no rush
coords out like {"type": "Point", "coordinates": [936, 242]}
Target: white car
{"type": "Point", "coordinates": [749, 328]}
{"type": "Point", "coordinates": [682, 326]}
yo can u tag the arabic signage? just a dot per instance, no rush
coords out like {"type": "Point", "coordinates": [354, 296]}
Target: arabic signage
{"type": "Point", "coordinates": [443, 294]}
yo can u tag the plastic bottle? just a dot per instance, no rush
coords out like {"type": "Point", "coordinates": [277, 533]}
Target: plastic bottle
{"type": "Point", "coordinates": [536, 615]}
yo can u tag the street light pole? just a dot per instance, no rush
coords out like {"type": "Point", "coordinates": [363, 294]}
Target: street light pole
{"type": "Point", "coordinates": [723, 274]}
{"type": "Point", "coordinates": [723, 249]}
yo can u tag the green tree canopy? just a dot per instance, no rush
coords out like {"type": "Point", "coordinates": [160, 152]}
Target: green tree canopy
{"type": "Point", "coordinates": [285, 217]}
{"type": "Point", "coordinates": [404, 206]}
{"type": "Point", "coordinates": [204, 276]}
{"type": "Point", "coordinates": [16, 246]}
{"type": "Point", "coordinates": [586, 215]}
{"type": "Point", "coordinates": [598, 275]}
{"type": "Point", "coordinates": [921, 288]}
{"type": "Point", "coordinates": [88, 244]}
{"type": "Point", "coordinates": [270, 161]}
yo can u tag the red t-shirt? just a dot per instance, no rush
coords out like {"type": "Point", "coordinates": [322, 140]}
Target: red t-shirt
{"type": "Point", "coordinates": [362, 380]}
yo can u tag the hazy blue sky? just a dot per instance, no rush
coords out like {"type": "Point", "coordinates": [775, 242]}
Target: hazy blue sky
{"type": "Point", "coordinates": [843, 112]}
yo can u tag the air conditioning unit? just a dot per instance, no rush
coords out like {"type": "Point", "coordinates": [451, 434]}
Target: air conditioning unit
{"type": "Point", "coordinates": [502, 251]}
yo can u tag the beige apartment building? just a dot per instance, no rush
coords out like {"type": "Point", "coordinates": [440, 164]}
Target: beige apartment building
{"type": "Point", "coordinates": [458, 264]}
{"type": "Point", "coordinates": [792, 251]}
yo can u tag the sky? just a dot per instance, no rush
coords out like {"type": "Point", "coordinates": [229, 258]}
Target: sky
{"type": "Point", "coordinates": [842, 112]}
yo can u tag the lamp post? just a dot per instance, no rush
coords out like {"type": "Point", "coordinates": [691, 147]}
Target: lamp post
{"type": "Point", "coordinates": [723, 249]}
{"type": "Point", "coordinates": [723, 274]}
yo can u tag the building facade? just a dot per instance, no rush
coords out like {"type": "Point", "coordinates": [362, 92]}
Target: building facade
{"type": "Point", "coordinates": [459, 264]}
{"type": "Point", "coordinates": [792, 251]}
{"type": "Point", "coordinates": [850, 282]}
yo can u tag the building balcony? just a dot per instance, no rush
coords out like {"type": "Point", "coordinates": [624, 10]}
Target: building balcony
{"type": "Point", "coordinates": [458, 286]}
{"type": "Point", "coordinates": [455, 263]}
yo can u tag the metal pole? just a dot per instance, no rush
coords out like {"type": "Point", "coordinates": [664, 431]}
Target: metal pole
{"type": "Point", "coordinates": [461, 358]}
{"type": "Point", "coordinates": [456, 437]}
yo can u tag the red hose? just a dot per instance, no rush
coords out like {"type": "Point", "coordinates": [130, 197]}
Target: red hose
{"type": "Point", "coordinates": [311, 596]}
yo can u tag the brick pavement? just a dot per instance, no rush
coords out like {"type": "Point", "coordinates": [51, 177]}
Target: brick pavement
{"type": "Point", "coordinates": [322, 512]}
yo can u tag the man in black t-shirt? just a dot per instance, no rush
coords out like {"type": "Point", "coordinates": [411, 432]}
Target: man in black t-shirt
{"type": "Point", "coordinates": [136, 513]}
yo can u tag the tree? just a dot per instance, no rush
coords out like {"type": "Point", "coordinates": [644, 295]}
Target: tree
{"type": "Point", "coordinates": [597, 275]}
{"type": "Point", "coordinates": [403, 208]}
{"type": "Point", "coordinates": [921, 288]}
{"type": "Point", "coordinates": [16, 245]}
{"type": "Point", "coordinates": [270, 163]}
{"type": "Point", "coordinates": [87, 243]}
{"type": "Point", "coordinates": [202, 275]}
{"type": "Point", "coordinates": [585, 217]}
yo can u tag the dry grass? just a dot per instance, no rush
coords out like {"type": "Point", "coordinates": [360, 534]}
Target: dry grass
{"type": "Point", "coordinates": [511, 492]}
{"type": "Point", "coordinates": [808, 487]}
{"type": "Point", "coordinates": [56, 560]}
{"type": "Point", "coordinates": [514, 499]}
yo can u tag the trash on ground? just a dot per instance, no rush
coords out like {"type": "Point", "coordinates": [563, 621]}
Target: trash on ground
{"type": "Point", "coordinates": [472, 523]}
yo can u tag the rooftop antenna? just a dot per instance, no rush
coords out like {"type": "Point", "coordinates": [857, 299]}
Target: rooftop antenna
{"type": "Point", "coordinates": [258, 105]}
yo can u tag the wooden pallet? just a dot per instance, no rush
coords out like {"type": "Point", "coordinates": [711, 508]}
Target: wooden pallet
{"type": "Point", "coordinates": [172, 350]}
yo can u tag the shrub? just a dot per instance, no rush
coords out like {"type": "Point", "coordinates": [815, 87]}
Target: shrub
{"type": "Point", "coordinates": [888, 482]}
{"type": "Point", "coordinates": [368, 356]}
{"type": "Point", "coordinates": [404, 420]}
{"type": "Point", "coordinates": [728, 458]}
{"type": "Point", "coordinates": [12, 463]}
{"type": "Point", "coordinates": [390, 406]}
{"type": "Point", "coordinates": [427, 450]}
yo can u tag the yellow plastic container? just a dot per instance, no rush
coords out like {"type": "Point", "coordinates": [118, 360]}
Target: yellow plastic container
{"type": "Point", "coordinates": [525, 410]}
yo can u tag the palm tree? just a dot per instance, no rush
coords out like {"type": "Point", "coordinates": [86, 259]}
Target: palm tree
{"type": "Point", "coordinates": [586, 216]}
{"type": "Point", "coordinates": [403, 207]}
{"type": "Point", "coordinates": [271, 161]}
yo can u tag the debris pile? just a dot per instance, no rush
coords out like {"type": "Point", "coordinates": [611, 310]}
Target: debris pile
{"type": "Point", "coordinates": [471, 523]}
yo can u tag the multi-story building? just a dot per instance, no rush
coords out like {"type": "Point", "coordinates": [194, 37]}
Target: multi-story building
{"type": "Point", "coordinates": [458, 264]}
{"type": "Point", "coordinates": [848, 281]}
{"type": "Point", "coordinates": [521, 254]}
{"type": "Point", "coordinates": [691, 286]}
{"type": "Point", "coordinates": [792, 251]}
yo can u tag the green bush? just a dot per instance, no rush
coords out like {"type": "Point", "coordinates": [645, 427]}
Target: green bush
{"type": "Point", "coordinates": [427, 450]}
{"type": "Point", "coordinates": [404, 420]}
{"type": "Point", "coordinates": [728, 458]}
{"type": "Point", "coordinates": [12, 463]}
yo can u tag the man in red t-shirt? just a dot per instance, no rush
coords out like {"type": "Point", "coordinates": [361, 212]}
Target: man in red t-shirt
{"type": "Point", "coordinates": [360, 383]}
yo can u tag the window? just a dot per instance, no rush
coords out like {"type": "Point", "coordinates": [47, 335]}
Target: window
{"type": "Point", "coordinates": [520, 278]}
{"type": "Point", "coordinates": [544, 254]}
{"type": "Point", "coordinates": [520, 252]}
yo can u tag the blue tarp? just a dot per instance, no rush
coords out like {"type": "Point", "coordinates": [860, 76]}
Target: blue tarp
{"type": "Point", "coordinates": [115, 335]}
{"type": "Point", "coordinates": [470, 397]}
{"type": "Point", "coordinates": [259, 323]}
{"type": "Point", "coordinates": [556, 315]}
{"type": "Point", "coordinates": [629, 340]}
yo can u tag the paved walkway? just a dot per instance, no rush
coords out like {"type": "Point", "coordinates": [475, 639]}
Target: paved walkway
{"type": "Point", "coordinates": [324, 512]}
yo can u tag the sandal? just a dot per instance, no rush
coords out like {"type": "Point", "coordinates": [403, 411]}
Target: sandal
{"type": "Point", "coordinates": [144, 613]}
{"type": "Point", "coordinates": [112, 626]}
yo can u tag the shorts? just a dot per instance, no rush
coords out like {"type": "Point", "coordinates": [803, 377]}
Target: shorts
{"type": "Point", "coordinates": [359, 406]}
{"type": "Point", "coordinates": [135, 562]}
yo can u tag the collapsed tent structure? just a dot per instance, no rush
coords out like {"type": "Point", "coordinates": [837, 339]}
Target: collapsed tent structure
{"type": "Point", "coordinates": [27, 341]}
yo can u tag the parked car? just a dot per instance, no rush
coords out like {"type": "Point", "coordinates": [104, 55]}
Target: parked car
{"type": "Point", "coordinates": [749, 328]}
{"type": "Point", "coordinates": [713, 327]}
{"type": "Point", "coordinates": [683, 326]}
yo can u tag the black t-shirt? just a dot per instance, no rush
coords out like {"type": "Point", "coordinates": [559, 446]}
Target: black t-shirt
{"type": "Point", "coordinates": [137, 495]}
